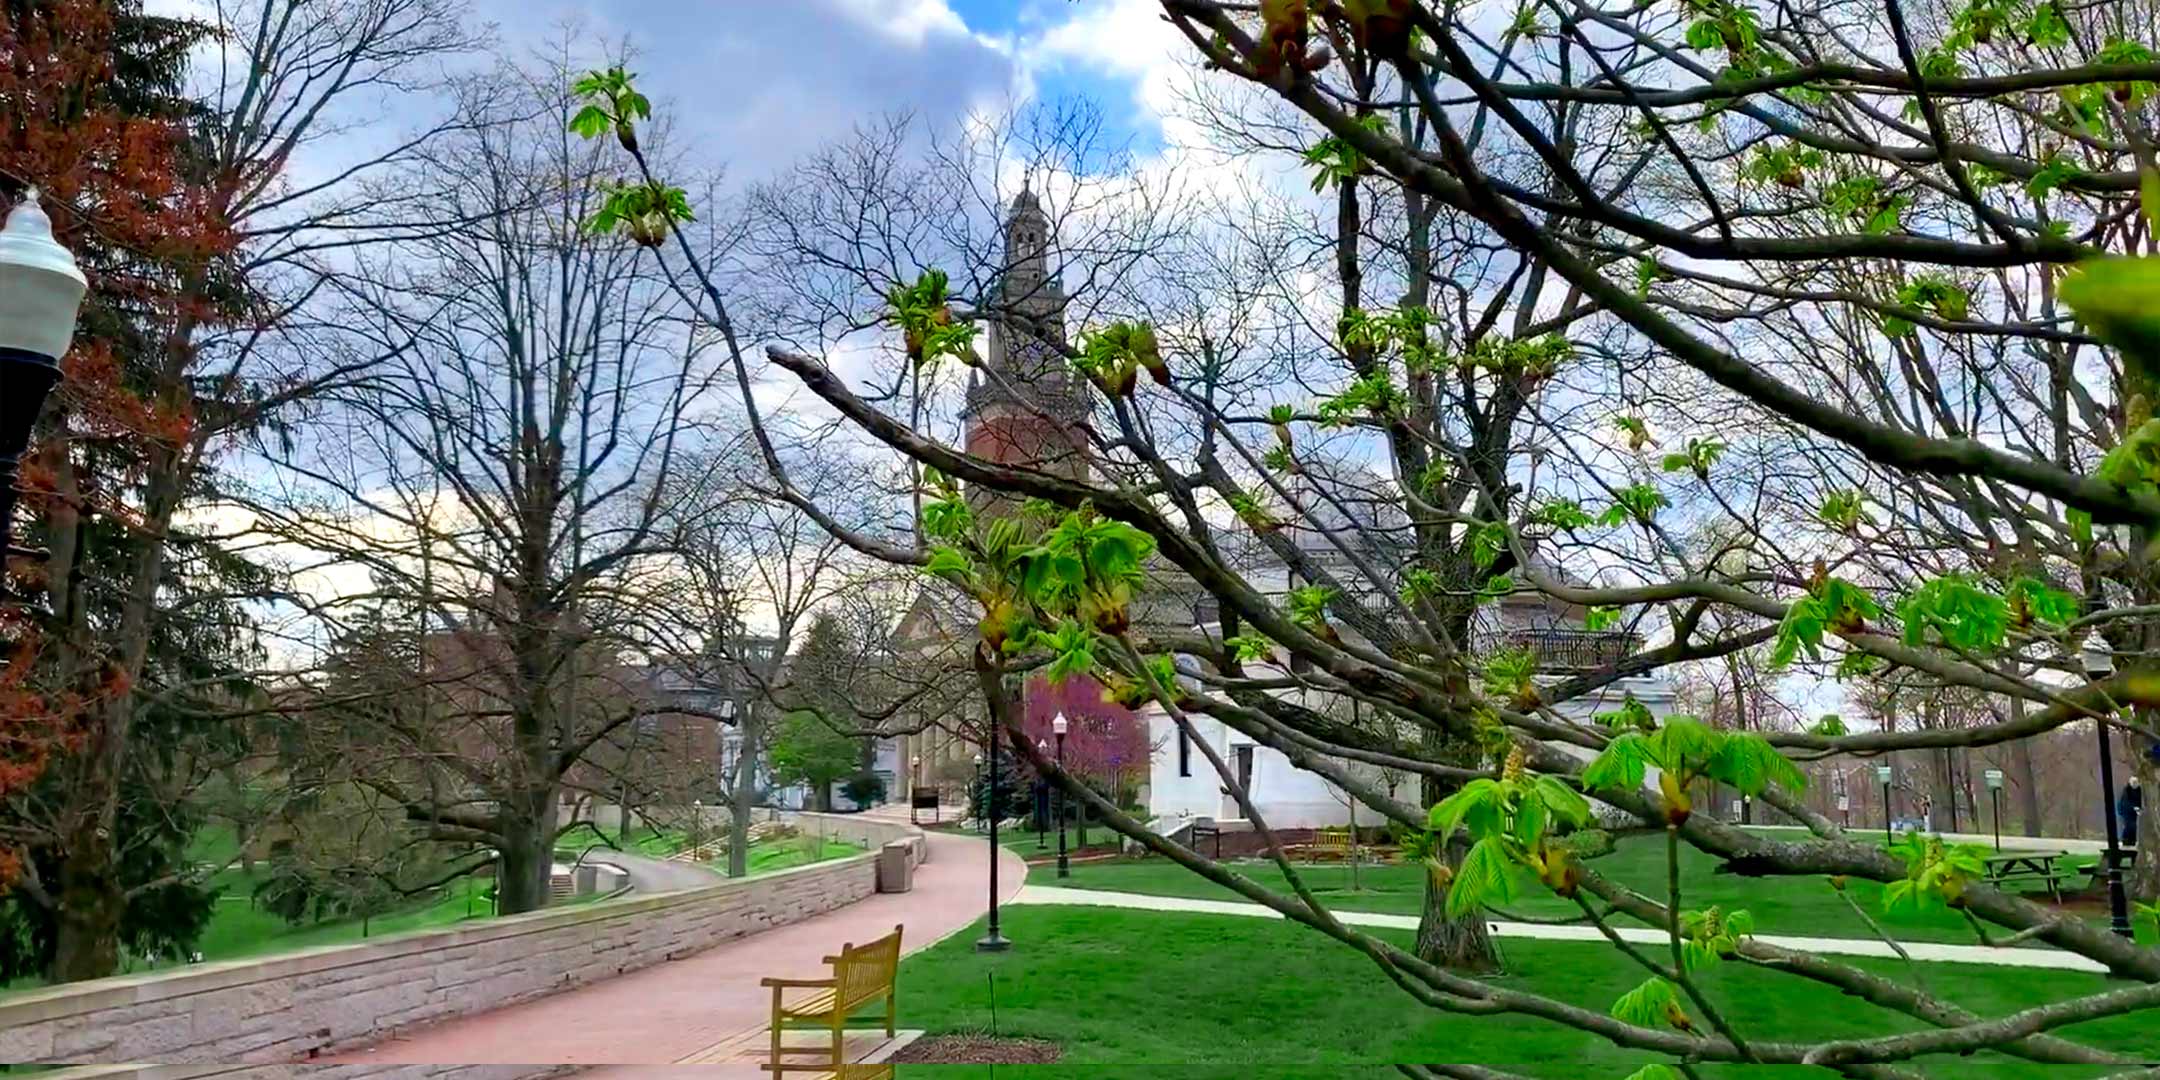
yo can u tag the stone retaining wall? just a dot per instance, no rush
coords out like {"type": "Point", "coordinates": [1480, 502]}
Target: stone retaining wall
{"type": "Point", "coordinates": [286, 1008]}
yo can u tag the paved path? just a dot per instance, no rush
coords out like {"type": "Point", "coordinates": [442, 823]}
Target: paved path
{"type": "Point", "coordinates": [649, 875]}
{"type": "Point", "coordinates": [673, 1011]}
{"type": "Point", "coordinates": [2010, 842]}
{"type": "Point", "coordinates": [1958, 954]}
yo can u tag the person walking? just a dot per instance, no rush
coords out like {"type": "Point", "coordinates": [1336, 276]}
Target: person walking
{"type": "Point", "coordinates": [2128, 804]}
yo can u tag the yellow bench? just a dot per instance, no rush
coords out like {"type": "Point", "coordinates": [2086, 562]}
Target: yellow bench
{"type": "Point", "coordinates": [861, 975]}
{"type": "Point", "coordinates": [1330, 845]}
{"type": "Point", "coordinates": [842, 1072]}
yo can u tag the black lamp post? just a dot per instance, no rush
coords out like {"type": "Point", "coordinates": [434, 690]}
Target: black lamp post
{"type": "Point", "coordinates": [2099, 664]}
{"type": "Point", "coordinates": [40, 292]}
{"type": "Point", "coordinates": [1042, 816]}
{"type": "Point", "coordinates": [993, 941]}
{"type": "Point", "coordinates": [1057, 728]}
{"type": "Point", "coordinates": [1882, 774]}
{"type": "Point", "coordinates": [1994, 778]}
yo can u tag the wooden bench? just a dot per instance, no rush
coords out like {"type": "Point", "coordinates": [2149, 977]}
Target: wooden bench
{"type": "Point", "coordinates": [828, 1072]}
{"type": "Point", "coordinates": [1330, 845]}
{"type": "Point", "coordinates": [861, 975]}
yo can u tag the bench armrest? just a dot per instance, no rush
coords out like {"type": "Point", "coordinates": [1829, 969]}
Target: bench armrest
{"type": "Point", "coordinates": [823, 983]}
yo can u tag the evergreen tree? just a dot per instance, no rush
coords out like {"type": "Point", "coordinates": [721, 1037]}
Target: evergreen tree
{"type": "Point", "coordinates": [814, 743]}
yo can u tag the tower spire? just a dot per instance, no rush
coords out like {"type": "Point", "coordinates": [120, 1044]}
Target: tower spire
{"type": "Point", "coordinates": [1027, 408]}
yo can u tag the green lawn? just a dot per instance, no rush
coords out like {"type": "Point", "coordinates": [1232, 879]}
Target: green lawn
{"type": "Point", "coordinates": [782, 854]}
{"type": "Point", "coordinates": [1792, 906]}
{"type": "Point", "coordinates": [1158, 988]}
{"type": "Point", "coordinates": [238, 929]}
{"type": "Point", "coordinates": [657, 843]}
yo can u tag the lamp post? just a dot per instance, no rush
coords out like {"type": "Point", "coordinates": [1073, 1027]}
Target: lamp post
{"type": "Point", "coordinates": [1882, 775]}
{"type": "Point", "coordinates": [697, 828]}
{"type": "Point", "coordinates": [1057, 729]}
{"type": "Point", "coordinates": [1994, 786]}
{"type": "Point", "coordinates": [2099, 663]}
{"type": "Point", "coordinates": [1042, 816]}
{"type": "Point", "coordinates": [993, 941]}
{"type": "Point", "coordinates": [41, 290]}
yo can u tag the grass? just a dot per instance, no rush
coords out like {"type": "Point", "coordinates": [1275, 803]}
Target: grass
{"type": "Point", "coordinates": [782, 854]}
{"type": "Point", "coordinates": [656, 843]}
{"type": "Point", "coordinates": [1161, 988]}
{"type": "Point", "coordinates": [237, 929]}
{"type": "Point", "coordinates": [1791, 906]}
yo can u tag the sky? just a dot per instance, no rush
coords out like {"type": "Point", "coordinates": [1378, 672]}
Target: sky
{"type": "Point", "coordinates": [759, 84]}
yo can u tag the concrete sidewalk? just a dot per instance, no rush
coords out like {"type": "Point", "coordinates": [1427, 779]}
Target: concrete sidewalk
{"type": "Point", "coordinates": [689, 1008]}
{"type": "Point", "coordinates": [1948, 954]}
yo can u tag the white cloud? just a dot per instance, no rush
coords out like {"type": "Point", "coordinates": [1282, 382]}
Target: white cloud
{"type": "Point", "coordinates": [911, 21]}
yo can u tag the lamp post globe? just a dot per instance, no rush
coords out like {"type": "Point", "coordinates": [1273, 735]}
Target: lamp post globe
{"type": "Point", "coordinates": [2099, 663]}
{"type": "Point", "coordinates": [41, 292]}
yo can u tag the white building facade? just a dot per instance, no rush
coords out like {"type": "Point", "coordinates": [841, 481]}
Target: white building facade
{"type": "Point", "coordinates": [1184, 785]}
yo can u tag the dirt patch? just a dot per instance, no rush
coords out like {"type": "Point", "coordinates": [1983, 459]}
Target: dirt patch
{"type": "Point", "coordinates": [977, 1048]}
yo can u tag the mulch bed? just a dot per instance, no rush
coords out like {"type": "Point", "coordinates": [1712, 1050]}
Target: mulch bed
{"type": "Point", "coordinates": [977, 1048]}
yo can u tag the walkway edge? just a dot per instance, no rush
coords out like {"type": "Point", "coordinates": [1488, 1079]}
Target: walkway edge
{"type": "Point", "coordinates": [1933, 953]}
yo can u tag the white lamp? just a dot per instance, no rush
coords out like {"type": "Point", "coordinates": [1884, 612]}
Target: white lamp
{"type": "Point", "coordinates": [41, 291]}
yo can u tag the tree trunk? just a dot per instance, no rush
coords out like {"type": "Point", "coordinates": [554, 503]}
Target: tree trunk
{"type": "Point", "coordinates": [528, 856]}
{"type": "Point", "coordinates": [824, 798]}
{"type": "Point", "coordinates": [1455, 944]}
{"type": "Point", "coordinates": [1353, 852]}
{"type": "Point", "coordinates": [2027, 777]}
{"type": "Point", "coordinates": [2143, 881]}
{"type": "Point", "coordinates": [1945, 791]}
{"type": "Point", "coordinates": [92, 900]}
{"type": "Point", "coordinates": [741, 799]}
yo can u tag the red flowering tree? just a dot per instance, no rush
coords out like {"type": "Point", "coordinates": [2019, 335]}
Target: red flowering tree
{"type": "Point", "coordinates": [1104, 741]}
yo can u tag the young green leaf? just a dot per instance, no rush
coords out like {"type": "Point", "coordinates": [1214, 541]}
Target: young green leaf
{"type": "Point", "coordinates": [1648, 1005]}
{"type": "Point", "coordinates": [1486, 876]}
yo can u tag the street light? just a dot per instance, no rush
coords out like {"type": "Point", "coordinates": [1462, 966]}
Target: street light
{"type": "Point", "coordinates": [1882, 775]}
{"type": "Point", "coordinates": [993, 941]}
{"type": "Point", "coordinates": [1042, 820]}
{"type": "Point", "coordinates": [2099, 663]}
{"type": "Point", "coordinates": [41, 290]}
{"type": "Point", "coordinates": [1057, 728]}
{"type": "Point", "coordinates": [1994, 786]}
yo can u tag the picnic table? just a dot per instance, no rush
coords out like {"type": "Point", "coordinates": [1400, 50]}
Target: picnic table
{"type": "Point", "coordinates": [2011, 867]}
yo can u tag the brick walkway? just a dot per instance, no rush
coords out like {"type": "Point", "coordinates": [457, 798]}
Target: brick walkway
{"type": "Point", "coordinates": [690, 1008]}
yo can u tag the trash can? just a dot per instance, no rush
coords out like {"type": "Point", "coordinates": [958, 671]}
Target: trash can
{"type": "Point", "coordinates": [893, 872]}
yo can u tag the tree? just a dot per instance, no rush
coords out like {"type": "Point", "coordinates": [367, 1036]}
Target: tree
{"type": "Point", "coordinates": [815, 743]}
{"type": "Point", "coordinates": [496, 478]}
{"type": "Point", "coordinates": [201, 248]}
{"type": "Point", "coordinates": [808, 750]}
{"type": "Point", "coordinates": [1815, 176]}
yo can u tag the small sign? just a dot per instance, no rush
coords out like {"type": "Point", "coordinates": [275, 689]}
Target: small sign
{"type": "Point", "coordinates": [1844, 803]}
